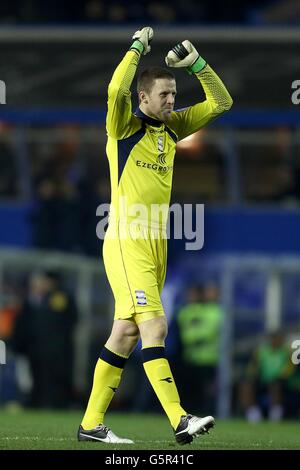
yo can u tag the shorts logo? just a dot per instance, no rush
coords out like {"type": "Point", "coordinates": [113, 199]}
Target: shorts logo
{"type": "Point", "coordinates": [141, 297]}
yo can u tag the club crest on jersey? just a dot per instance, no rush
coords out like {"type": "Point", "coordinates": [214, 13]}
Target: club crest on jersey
{"type": "Point", "coordinates": [161, 159]}
{"type": "Point", "coordinates": [160, 143]}
{"type": "Point", "coordinates": [141, 297]}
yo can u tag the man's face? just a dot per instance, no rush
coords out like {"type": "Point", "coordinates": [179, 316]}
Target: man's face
{"type": "Point", "coordinates": [159, 103]}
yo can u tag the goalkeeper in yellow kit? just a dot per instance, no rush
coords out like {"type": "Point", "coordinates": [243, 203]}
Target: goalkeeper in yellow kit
{"type": "Point", "coordinates": [141, 147]}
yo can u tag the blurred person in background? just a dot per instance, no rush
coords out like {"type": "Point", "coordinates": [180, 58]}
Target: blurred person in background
{"type": "Point", "coordinates": [292, 391]}
{"type": "Point", "coordinates": [141, 148]}
{"type": "Point", "coordinates": [44, 335]}
{"type": "Point", "coordinates": [94, 189]}
{"type": "Point", "coordinates": [199, 322]}
{"type": "Point", "coordinates": [263, 391]}
{"type": "Point", "coordinates": [56, 213]}
{"type": "Point", "coordinates": [276, 12]}
{"type": "Point", "coordinates": [9, 309]}
{"type": "Point", "coordinates": [287, 192]}
{"type": "Point", "coordinates": [9, 180]}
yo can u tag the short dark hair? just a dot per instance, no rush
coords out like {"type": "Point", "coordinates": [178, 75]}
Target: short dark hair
{"type": "Point", "coordinates": [147, 77]}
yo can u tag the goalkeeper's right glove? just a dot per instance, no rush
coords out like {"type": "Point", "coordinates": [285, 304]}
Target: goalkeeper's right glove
{"type": "Point", "coordinates": [142, 39]}
{"type": "Point", "coordinates": [185, 54]}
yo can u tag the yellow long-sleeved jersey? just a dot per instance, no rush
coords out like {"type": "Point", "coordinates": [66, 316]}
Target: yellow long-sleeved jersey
{"type": "Point", "coordinates": [141, 150]}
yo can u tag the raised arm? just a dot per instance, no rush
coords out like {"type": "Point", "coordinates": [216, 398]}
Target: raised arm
{"type": "Point", "coordinates": [119, 111]}
{"type": "Point", "coordinates": [218, 100]}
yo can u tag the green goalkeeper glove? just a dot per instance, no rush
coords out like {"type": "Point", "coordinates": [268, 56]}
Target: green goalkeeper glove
{"type": "Point", "coordinates": [185, 54]}
{"type": "Point", "coordinates": [142, 39]}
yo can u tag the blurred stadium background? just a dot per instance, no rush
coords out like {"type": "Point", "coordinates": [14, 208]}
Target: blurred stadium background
{"type": "Point", "coordinates": [56, 61]}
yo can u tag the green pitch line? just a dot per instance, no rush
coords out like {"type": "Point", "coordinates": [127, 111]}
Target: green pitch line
{"type": "Point", "coordinates": [57, 430]}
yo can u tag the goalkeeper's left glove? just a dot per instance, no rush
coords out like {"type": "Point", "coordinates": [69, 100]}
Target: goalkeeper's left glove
{"type": "Point", "coordinates": [185, 54]}
{"type": "Point", "coordinates": [142, 39]}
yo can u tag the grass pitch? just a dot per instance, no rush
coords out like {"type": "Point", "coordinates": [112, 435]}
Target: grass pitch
{"type": "Point", "coordinates": [49, 430]}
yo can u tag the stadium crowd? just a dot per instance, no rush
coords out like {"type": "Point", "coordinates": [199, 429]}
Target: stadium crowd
{"type": "Point", "coordinates": [166, 12]}
{"type": "Point", "coordinates": [66, 180]}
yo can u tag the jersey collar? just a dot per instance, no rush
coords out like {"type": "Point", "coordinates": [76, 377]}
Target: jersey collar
{"type": "Point", "coordinates": [149, 120]}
